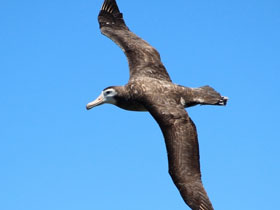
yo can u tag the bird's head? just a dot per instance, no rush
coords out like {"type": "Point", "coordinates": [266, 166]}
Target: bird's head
{"type": "Point", "coordinates": [107, 96]}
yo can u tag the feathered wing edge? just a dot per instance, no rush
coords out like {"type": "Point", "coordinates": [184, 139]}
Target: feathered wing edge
{"type": "Point", "coordinates": [183, 154]}
{"type": "Point", "coordinates": [143, 59]}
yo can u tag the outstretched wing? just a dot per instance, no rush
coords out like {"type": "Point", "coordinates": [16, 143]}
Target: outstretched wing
{"type": "Point", "coordinates": [183, 153]}
{"type": "Point", "coordinates": [143, 59]}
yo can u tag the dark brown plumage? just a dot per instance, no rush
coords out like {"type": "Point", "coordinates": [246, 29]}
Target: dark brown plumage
{"type": "Point", "coordinates": [150, 89]}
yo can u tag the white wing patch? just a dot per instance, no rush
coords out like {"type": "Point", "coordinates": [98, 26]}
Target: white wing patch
{"type": "Point", "coordinates": [182, 101]}
{"type": "Point", "coordinates": [200, 100]}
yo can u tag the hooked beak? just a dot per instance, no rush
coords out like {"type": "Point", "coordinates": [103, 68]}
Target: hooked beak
{"type": "Point", "coordinates": [100, 100]}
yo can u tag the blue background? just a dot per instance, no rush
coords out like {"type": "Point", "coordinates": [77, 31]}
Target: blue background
{"type": "Point", "coordinates": [55, 155]}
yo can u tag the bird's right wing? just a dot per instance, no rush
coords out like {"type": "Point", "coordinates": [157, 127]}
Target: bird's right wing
{"type": "Point", "coordinates": [183, 153]}
{"type": "Point", "coordinates": [143, 59]}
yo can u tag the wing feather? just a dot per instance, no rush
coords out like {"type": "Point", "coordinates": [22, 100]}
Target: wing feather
{"type": "Point", "coordinates": [183, 153]}
{"type": "Point", "coordinates": [143, 59]}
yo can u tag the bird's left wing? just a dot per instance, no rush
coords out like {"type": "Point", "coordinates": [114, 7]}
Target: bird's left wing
{"type": "Point", "coordinates": [183, 152]}
{"type": "Point", "coordinates": [143, 59]}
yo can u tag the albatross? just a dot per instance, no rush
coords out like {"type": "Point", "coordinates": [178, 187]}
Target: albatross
{"type": "Point", "coordinates": [150, 89]}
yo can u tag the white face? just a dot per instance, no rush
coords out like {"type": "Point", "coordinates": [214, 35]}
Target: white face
{"type": "Point", "coordinates": [108, 95]}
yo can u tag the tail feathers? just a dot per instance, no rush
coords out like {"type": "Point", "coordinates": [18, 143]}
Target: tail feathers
{"type": "Point", "coordinates": [223, 101]}
{"type": "Point", "coordinates": [206, 95]}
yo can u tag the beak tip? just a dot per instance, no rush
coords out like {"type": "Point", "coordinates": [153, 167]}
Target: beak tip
{"type": "Point", "coordinates": [88, 107]}
{"type": "Point", "coordinates": [100, 100]}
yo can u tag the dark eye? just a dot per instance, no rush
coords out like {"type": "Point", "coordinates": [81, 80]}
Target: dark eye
{"type": "Point", "coordinates": [108, 92]}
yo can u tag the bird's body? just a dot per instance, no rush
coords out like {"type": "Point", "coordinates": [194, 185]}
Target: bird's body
{"type": "Point", "coordinates": [151, 89]}
{"type": "Point", "coordinates": [131, 96]}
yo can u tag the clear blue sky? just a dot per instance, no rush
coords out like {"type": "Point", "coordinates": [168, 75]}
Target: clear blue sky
{"type": "Point", "coordinates": [55, 155]}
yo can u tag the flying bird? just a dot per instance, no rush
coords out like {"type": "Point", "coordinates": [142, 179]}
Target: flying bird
{"type": "Point", "coordinates": [150, 89]}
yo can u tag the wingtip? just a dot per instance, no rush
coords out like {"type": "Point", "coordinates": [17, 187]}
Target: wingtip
{"type": "Point", "coordinates": [110, 15]}
{"type": "Point", "coordinates": [110, 6]}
